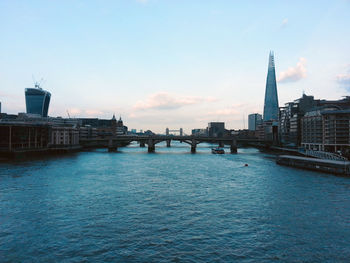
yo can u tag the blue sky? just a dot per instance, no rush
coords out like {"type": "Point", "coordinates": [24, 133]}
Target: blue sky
{"type": "Point", "coordinates": [171, 63]}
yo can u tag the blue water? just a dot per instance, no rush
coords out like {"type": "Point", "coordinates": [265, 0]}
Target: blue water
{"type": "Point", "coordinates": [171, 206]}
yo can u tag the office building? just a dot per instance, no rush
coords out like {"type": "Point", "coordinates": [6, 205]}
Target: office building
{"type": "Point", "coordinates": [37, 101]}
{"type": "Point", "coordinates": [271, 110]}
{"type": "Point", "coordinates": [290, 117]}
{"type": "Point", "coordinates": [254, 120]}
{"type": "Point", "coordinates": [199, 132]}
{"type": "Point", "coordinates": [216, 129]}
{"type": "Point", "coordinates": [326, 129]}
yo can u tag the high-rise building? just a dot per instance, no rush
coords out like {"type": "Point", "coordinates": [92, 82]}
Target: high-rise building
{"type": "Point", "coordinates": [216, 129]}
{"type": "Point", "coordinates": [37, 100]}
{"type": "Point", "coordinates": [271, 109]}
{"type": "Point", "coordinates": [254, 120]}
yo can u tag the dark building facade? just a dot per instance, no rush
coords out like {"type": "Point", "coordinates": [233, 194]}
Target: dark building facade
{"type": "Point", "coordinates": [326, 129]}
{"type": "Point", "coordinates": [37, 101]}
{"type": "Point", "coordinates": [290, 118]}
{"type": "Point", "coordinates": [216, 129]}
{"type": "Point", "coordinates": [302, 121]}
{"type": "Point", "coordinates": [105, 127]}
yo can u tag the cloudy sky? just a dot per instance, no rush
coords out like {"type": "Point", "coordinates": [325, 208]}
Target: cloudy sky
{"type": "Point", "coordinates": [171, 63]}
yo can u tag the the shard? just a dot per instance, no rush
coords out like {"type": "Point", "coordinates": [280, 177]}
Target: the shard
{"type": "Point", "coordinates": [271, 109]}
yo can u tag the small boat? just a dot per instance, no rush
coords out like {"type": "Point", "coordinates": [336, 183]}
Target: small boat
{"type": "Point", "coordinates": [218, 150]}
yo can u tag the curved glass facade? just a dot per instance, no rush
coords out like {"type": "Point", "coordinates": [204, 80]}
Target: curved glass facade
{"type": "Point", "coordinates": [37, 101]}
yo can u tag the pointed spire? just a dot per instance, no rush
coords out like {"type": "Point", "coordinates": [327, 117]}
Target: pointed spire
{"type": "Point", "coordinates": [271, 110]}
{"type": "Point", "coordinates": [271, 59]}
{"type": "Point", "coordinates": [113, 118]}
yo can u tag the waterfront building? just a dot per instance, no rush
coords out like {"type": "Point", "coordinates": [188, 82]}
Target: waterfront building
{"type": "Point", "coordinates": [199, 132]}
{"type": "Point", "coordinates": [37, 100]}
{"type": "Point", "coordinates": [290, 117]}
{"type": "Point", "coordinates": [105, 127]}
{"type": "Point", "coordinates": [0, 107]}
{"type": "Point", "coordinates": [312, 131]}
{"type": "Point", "coordinates": [64, 137]}
{"type": "Point", "coordinates": [326, 129]}
{"type": "Point", "coordinates": [87, 132]}
{"type": "Point", "coordinates": [216, 129]}
{"type": "Point", "coordinates": [253, 121]}
{"type": "Point", "coordinates": [268, 132]}
{"type": "Point", "coordinates": [271, 110]}
{"type": "Point", "coordinates": [120, 128]}
{"type": "Point", "coordinates": [19, 136]}
{"type": "Point", "coordinates": [292, 113]}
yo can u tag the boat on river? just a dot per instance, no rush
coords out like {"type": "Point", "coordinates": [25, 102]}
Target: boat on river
{"type": "Point", "coordinates": [218, 150]}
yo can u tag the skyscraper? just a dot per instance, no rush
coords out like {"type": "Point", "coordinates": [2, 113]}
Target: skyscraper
{"type": "Point", "coordinates": [271, 100]}
{"type": "Point", "coordinates": [37, 100]}
{"type": "Point", "coordinates": [254, 120]}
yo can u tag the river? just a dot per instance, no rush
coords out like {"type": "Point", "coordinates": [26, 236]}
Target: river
{"type": "Point", "coordinates": [170, 206]}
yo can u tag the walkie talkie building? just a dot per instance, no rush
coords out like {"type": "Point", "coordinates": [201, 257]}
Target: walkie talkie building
{"type": "Point", "coordinates": [37, 101]}
{"type": "Point", "coordinates": [271, 110]}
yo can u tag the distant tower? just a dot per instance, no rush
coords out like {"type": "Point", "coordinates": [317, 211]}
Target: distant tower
{"type": "Point", "coordinates": [271, 100]}
{"type": "Point", "coordinates": [114, 125]}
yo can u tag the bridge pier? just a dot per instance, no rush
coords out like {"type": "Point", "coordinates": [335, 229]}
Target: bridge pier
{"type": "Point", "coordinates": [111, 147]}
{"type": "Point", "coordinates": [168, 143]}
{"type": "Point", "coordinates": [193, 146]}
{"type": "Point", "coordinates": [151, 146]}
{"type": "Point", "coordinates": [221, 144]}
{"type": "Point", "coordinates": [233, 146]}
{"type": "Point", "coordinates": [142, 144]}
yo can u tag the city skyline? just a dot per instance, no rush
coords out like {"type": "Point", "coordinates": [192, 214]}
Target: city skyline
{"type": "Point", "coordinates": [138, 60]}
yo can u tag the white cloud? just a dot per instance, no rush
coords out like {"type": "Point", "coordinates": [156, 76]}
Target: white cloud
{"type": "Point", "coordinates": [235, 110]}
{"type": "Point", "coordinates": [167, 101]}
{"type": "Point", "coordinates": [284, 22]}
{"type": "Point", "coordinates": [76, 112]}
{"type": "Point", "coordinates": [344, 79]}
{"type": "Point", "coordinates": [294, 74]}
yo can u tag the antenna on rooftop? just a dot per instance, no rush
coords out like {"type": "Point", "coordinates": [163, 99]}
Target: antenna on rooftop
{"type": "Point", "coordinates": [38, 84]}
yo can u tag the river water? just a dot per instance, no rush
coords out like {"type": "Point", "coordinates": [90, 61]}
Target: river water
{"type": "Point", "coordinates": [170, 206]}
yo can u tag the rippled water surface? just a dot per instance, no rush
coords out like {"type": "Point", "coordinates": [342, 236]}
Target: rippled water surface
{"type": "Point", "coordinates": [171, 206]}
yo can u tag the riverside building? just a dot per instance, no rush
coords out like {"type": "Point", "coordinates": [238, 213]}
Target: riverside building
{"type": "Point", "coordinates": [326, 129]}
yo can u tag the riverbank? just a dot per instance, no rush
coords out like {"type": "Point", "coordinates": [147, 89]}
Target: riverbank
{"type": "Point", "coordinates": [320, 165]}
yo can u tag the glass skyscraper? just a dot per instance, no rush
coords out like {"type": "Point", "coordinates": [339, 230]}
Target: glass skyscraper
{"type": "Point", "coordinates": [37, 101]}
{"type": "Point", "coordinates": [271, 100]}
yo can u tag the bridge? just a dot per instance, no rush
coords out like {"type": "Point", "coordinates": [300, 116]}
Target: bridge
{"type": "Point", "coordinates": [112, 143]}
{"type": "Point", "coordinates": [180, 131]}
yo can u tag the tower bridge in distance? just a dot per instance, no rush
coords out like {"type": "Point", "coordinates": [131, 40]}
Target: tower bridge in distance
{"type": "Point", "coordinates": [180, 131]}
{"type": "Point", "coordinates": [112, 143]}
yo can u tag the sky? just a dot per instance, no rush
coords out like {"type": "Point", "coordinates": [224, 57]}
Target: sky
{"type": "Point", "coordinates": [171, 63]}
